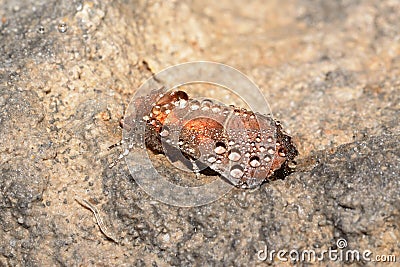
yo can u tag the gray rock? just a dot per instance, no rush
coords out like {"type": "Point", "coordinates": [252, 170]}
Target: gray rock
{"type": "Point", "coordinates": [69, 69]}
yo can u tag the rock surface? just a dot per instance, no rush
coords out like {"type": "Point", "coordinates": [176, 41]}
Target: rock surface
{"type": "Point", "coordinates": [329, 69]}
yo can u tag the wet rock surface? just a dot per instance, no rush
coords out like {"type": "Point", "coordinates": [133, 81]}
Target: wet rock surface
{"type": "Point", "coordinates": [69, 69]}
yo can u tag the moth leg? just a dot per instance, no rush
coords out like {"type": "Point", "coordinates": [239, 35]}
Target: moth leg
{"type": "Point", "coordinates": [116, 144]}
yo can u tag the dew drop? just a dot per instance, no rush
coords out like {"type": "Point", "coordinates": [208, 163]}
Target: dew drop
{"type": "Point", "coordinates": [216, 109]}
{"type": "Point", "coordinates": [267, 158]}
{"type": "Point", "coordinates": [62, 27]}
{"type": "Point", "coordinates": [292, 164]}
{"type": "Point", "coordinates": [271, 150]}
{"type": "Point", "coordinates": [220, 148]}
{"type": "Point", "coordinates": [281, 153]}
{"type": "Point", "coordinates": [41, 30]}
{"type": "Point", "coordinates": [194, 105]}
{"type": "Point", "coordinates": [156, 110]}
{"type": "Point", "coordinates": [236, 171]}
{"type": "Point", "coordinates": [164, 132]}
{"type": "Point", "coordinates": [206, 104]}
{"type": "Point", "coordinates": [254, 161]}
{"type": "Point", "coordinates": [181, 95]}
{"type": "Point", "coordinates": [234, 155]}
{"type": "Point", "coordinates": [269, 139]}
{"type": "Point", "coordinates": [182, 103]}
{"type": "Point", "coordinates": [211, 159]}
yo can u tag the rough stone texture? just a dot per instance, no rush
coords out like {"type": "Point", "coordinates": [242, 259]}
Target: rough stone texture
{"type": "Point", "coordinates": [329, 69]}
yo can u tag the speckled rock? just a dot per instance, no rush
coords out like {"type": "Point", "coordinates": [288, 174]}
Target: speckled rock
{"type": "Point", "coordinates": [68, 70]}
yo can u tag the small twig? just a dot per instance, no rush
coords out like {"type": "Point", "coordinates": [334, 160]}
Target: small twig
{"type": "Point", "coordinates": [100, 223]}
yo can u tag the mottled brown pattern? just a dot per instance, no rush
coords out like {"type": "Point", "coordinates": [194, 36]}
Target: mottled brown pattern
{"type": "Point", "coordinates": [245, 147]}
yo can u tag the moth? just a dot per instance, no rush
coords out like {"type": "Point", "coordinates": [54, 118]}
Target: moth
{"type": "Point", "coordinates": [244, 147]}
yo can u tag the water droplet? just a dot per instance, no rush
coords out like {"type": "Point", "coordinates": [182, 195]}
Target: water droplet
{"type": "Point", "coordinates": [262, 148]}
{"type": "Point", "coordinates": [195, 105]}
{"type": "Point", "coordinates": [181, 95]}
{"type": "Point", "coordinates": [292, 164]}
{"type": "Point", "coordinates": [234, 155]}
{"type": "Point", "coordinates": [267, 158]}
{"type": "Point", "coordinates": [254, 161]}
{"type": "Point", "coordinates": [258, 139]}
{"type": "Point", "coordinates": [156, 110]}
{"type": "Point", "coordinates": [220, 148]}
{"type": "Point", "coordinates": [164, 132]}
{"type": "Point", "coordinates": [62, 27]}
{"type": "Point", "coordinates": [271, 150]}
{"type": "Point", "coordinates": [231, 143]}
{"type": "Point", "coordinates": [182, 103]}
{"type": "Point", "coordinates": [269, 139]}
{"type": "Point", "coordinates": [236, 171]}
{"type": "Point", "coordinates": [41, 30]}
{"type": "Point", "coordinates": [211, 159]}
{"type": "Point", "coordinates": [206, 104]}
{"type": "Point", "coordinates": [216, 109]}
{"type": "Point", "coordinates": [282, 153]}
